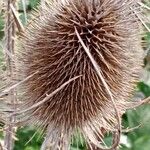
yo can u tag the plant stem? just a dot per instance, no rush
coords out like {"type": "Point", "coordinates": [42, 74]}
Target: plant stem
{"type": "Point", "coordinates": [9, 51]}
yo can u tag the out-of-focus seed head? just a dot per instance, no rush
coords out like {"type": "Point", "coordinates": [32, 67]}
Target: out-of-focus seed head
{"type": "Point", "coordinates": [50, 47]}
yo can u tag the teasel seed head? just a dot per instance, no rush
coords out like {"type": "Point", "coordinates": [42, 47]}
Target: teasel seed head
{"type": "Point", "coordinates": [51, 50]}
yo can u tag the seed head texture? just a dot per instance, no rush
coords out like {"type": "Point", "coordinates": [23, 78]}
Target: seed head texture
{"type": "Point", "coordinates": [50, 46]}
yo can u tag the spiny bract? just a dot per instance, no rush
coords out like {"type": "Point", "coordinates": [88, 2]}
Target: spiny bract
{"type": "Point", "coordinates": [50, 49]}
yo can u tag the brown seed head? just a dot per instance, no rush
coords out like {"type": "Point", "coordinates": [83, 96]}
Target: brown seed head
{"type": "Point", "coordinates": [110, 30]}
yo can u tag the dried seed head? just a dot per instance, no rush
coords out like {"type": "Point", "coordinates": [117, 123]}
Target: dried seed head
{"type": "Point", "coordinates": [110, 29]}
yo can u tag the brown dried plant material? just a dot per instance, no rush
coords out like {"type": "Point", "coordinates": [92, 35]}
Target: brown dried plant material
{"type": "Point", "coordinates": [1, 6]}
{"type": "Point", "coordinates": [54, 46]}
{"type": "Point", "coordinates": [9, 44]}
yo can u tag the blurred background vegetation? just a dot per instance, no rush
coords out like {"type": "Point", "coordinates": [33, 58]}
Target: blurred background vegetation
{"type": "Point", "coordinates": [138, 139]}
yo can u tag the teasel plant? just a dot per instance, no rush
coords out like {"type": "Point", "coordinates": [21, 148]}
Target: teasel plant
{"type": "Point", "coordinates": [9, 43]}
{"type": "Point", "coordinates": [76, 65]}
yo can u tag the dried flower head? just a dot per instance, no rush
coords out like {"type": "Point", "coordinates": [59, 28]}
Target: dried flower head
{"type": "Point", "coordinates": [85, 56]}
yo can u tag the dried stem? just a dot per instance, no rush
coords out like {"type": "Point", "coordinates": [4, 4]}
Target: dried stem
{"type": "Point", "coordinates": [17, 19]}
{"type": "Point", "coordinates": [1, 5]}
{"type": "Point", "coordinates": [9, 51]}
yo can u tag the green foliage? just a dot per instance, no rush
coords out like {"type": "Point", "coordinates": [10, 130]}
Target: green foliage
{"type": "Point", "coordinates": [1, 36]}
{"type": "Point", "coordinates": [34, 3]}
{"type": "Point", "coordinates": [1, 27]}
{"type": "Point", "coordinates": [27, 139]}
{"type": "Point", "coordinates": [78, 142]}
{"type": "Point", "coordinates": [144, 88]}
{"type": "Point", "coordinates": [139, 138]}
{"type": "Point", "coordinates": [147, 37]}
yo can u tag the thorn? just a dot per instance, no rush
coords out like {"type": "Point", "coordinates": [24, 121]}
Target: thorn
{"type": "Point", "coordinates": [144, 24]}
{"type": "Point", "coordinates": [99, 73]}
{"type": "Point", "coordinates": [143, 5]}
{"type": "Point", "coordinates": [48, 96]}
{"type": "Point", "coordinates": [17, 20]}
